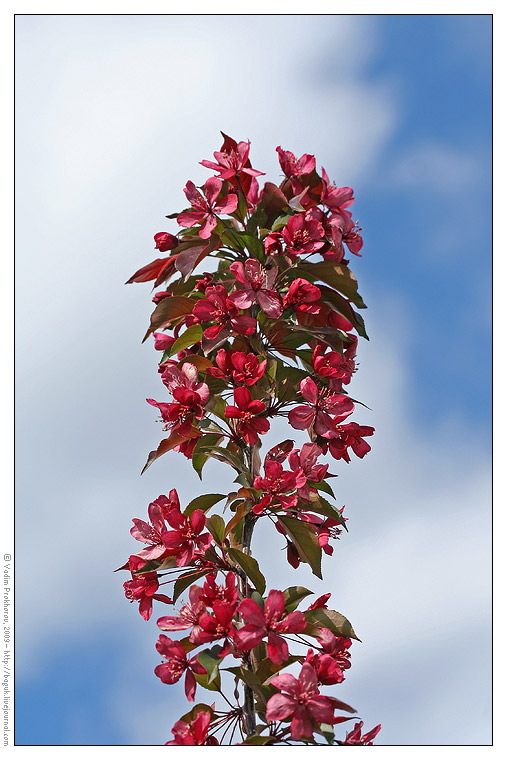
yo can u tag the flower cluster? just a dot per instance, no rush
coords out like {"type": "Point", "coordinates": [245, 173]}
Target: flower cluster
{"type": "Point", "coordinates": [272, 332]}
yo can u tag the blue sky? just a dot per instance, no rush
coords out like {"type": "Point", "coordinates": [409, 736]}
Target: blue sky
{"type": "Point", "coordinates": [114, 114]}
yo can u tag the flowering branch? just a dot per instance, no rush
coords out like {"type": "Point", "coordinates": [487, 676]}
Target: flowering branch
{"type": "Point", "coordinates": [271, 332]}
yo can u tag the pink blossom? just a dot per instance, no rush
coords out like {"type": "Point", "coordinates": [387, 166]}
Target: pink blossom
{"type": "Point", "coordinates": [247, 411]}
{"type": "Point", "coordinates": [323, 403]}
{"type": "Point", "coordinates": [302, 296]}
{"type": "Point", "coordinates": [218, 625]}
{"type": "Point", "coordinates": [212, 592]}
{"type": "Point", "coordinates": [272, 621]}
{"type": "Point", "coordinates": [194, 732]}
{"type": "Point", "coordinates": [186, 377]}
{"type": "Point", "coordinates": [300, 699]}
{"type": "Point", "coordinates": [276, 483]}
{"type": "Point", "coordinates": [354, 736]}
{"type": "Point", "coordinates": [163, 341]}
{"type": "Point", "coordinates": [177, 663]}
{"type": "Point", "coordinates": [333, 365]}
{"type": "Point", "coordinates": [242, 368]}
{"type": "Point", "coordinates": [206, 206]}
{"type": "Point", "coordinates": [185, 540]}
{"type": "Point", "coordinates": [306, 461]}
{"type": "Point", "coordinates": [188, 618]}
{"type": "Point", "coordinates": [302, 236]}
{"type": "Point", "coordinates": [150, 534]}
{"type": "Point", "coordinates": [164, 241]}
{"type": "Point", "coordinates": [180, 414]}
{"type": "Point", "coordinates": [324, 528]}
{"type": "Point", "coordinates": [292, 166]}
{"type": "Point", "coordinates": [257, 287]}
{"type": "Point", "coordinates": [217, 307]}
{"type": "Point", "coordinates": [232, 161]}
{"type": "Point", "coordinates": [143, 588]}
{"type": "Point", "coordinates": [350, 436]}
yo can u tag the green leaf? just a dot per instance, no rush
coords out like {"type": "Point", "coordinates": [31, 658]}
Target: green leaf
{"type": "Point", "coordinates": [202, 680]}
{"type": "Point", "coordinates": [250, 567]}
{"type": "Point", "coordinates": [266, 668]}
{"type": "Point", "coordinates": [305, 540]}
{"type": "Point", "coordinates": [192, 714]}
{"type": "Point", "coordinates": [323, 485]}
{"type": "Point", "coordinates": [224, 455]}
{"type": "Point", "coordinates": [256, 740]}
{"type": "Point", "coordinates": [294, 595]}
{"type": "Point", "coordinates": [184, 581]}
{"type": "Point", "coordinates": [337, 276]}
{"type": "Point", "coordinates": [331, 619]}
{"type": "Point", "coordinates": [199, 455]}
{"type": "Point", "coordinates": [216, 526]}
{"type": "Point", "coordinates": [210, 663]}
{"type": "Point", "coordinates": [257, 598]}
{"type": "Point", "coordinates": [189, 337]}
{"type": "Point", "coordinates": [204, 502]}
{"type": "Point", "coordinates": [321, 506]}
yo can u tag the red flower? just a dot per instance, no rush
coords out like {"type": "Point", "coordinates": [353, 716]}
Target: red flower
{"type": "Point", "coordinates": [247, 412]}
{"type": "Point", "coordinates": [206, 207]}
{"type": "Point", "coordinates": [320, 603]}
{"type": "Point", "coordinates": [354, 736]}
{"type": "Point", "coordinates": [350, 436]}
{"type": "Point", "coordinates": [301, 700]}
{"type": "Point", "coordinates": [150, 534]}
{"type": "Point", "coordinates": [325, 529]}
{"type": "Point", "coordinates": [185, 540]}
{"type": "Point", "coordinates": [306, 462]}
{"type": "Point", "coordinates": [212, 592]}
{"type": "Point", "coordinates": [243, 368]}
{"type": "Point", "coordinates": [335, 198]}
{"type": "Point", "coordinates": [167, 504]}
{"type": "Point", "coordinates": [186, 377]}
{"type": "Point", "coordinates": [177, 663]}
{"type": "Point", "coordinates": [160, 296]}
{"type": "Point", "coordinates": [272, 621]}
{"type": "Point", "coordinates": [188, 617]}
{"type": "Point", "coordinates": [163, 341]}
{"type": "Point", "coordinates": [302, 296]}
{"type": "Point", "coordinates": [258, 287]}
{"type": "Point", "coordinates": [332, 364]}
{"type": "Point", "coordinates": [143, 588]}
{"type": "Point", "coordinates": [217, 307]}
{"type": "Point", "coordinates": [295, 167]}
{"type": "Point", "coordinates": [218, 625]}
{"type": "Point", "coordinates": [232, 161]}
{"type": "Point", "coordinates": [337, 647]}
{"type": "Point", "coordinates": [195, 732]}
{"type": "Point", "coordinates": [164, 241]}
{"type": "Point", "coordinates": [277, 482]}
{"type": "Point", "coordinates": [273, 244]}
{"type": "Point", "coordinates": [323, 403]}
{"type": "Point", "coordinates": [302, 236]}
{"type": "Point", "coordinates": [180, 414]}
{"type": "Point", "coordinates": [326, 668]}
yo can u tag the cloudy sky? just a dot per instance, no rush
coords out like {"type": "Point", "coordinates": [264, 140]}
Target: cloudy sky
{"type": "Point", "coordinates": [113, 115]}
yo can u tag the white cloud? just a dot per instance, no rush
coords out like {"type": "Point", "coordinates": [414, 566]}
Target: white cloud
{"type": "Point", "coordinates": [442, 169]}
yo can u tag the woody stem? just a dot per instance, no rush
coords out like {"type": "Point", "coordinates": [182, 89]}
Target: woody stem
{"type": "Point", "coordinates": [248, 524]}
